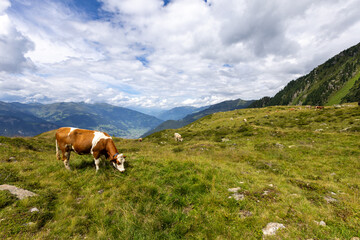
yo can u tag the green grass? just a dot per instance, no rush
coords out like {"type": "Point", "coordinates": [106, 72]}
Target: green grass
{"type": "Point", "coordinates": [336, 98]}
{"type": "Point", "coordinates": [286, 162]}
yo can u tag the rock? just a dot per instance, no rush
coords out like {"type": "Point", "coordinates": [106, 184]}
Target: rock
{"type": "Point", "coordinates": [101, 191]}
{"type": "Point", "coordinates": [355, 238]}
{"type": "Point", "coordinates": [12, 159]}
{"type": "Point", "coordinates": [79, 199]}
{"type": "Point", "coordinates": [271, 185]}
{"type": "Point", "coordinates": [237, 196]}
{"type": "Point", "coordinates": [271, 228]}
{"type": "Point", "coordinates": [19, 192]}
{"type": "Point", "coordinates": [319, 130]}
{"type": "Point", "coordinates": [321, 223]}
{"type": "Point", "coordinates": [245, 214]}
{"type": "Point", "coordinates": [265, 193]}
{"type": "Point", "coordinates": [279, 145]}
{"type": "Point", "coordinates": [330, 199]}
{"type": "Point", "coordinates": [225, 140]}
{"type": "Point", "coordinates": [234, 190]}
{"type": "Point", "coordinates": [30, 224]}
{"type": "Point", "coordinates": [34, 209]}
{"type": "Point", "coordinates": [345, 129]}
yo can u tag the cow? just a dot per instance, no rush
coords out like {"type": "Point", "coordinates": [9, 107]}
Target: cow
{"type": "Point", "coordinates": [319, 107]}
{"type": "Point", "coordinates": [84, 141]}
{"type": "Point", "coordinates": [178, 137]}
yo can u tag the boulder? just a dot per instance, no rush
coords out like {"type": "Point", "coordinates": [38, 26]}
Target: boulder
{"type": "Point", "coordinates": [18, 192]}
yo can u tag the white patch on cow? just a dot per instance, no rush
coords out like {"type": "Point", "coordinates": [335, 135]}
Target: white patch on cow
{"type": "Point", "coordinates": [97, 137]}
{"type": "Point", "coordinates": [71, 129]}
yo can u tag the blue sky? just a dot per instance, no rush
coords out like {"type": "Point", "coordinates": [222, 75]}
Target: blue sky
{"type": "Point", "coordinates": [163, 54]}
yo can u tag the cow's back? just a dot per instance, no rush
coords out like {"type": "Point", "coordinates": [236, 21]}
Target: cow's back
{"type": "Point", "coordinates": [80, 140]}
{"type": "Point", "coordinates": [62, 135]}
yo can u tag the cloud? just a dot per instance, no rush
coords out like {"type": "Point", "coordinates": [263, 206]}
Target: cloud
{"type": "Point", "coordinates": [13, 45]}
{"type": "Point", "coordinates": [150, 54]}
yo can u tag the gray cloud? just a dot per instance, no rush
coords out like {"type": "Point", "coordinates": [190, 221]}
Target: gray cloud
{"type": "Point", "coordinates": [13, 47]}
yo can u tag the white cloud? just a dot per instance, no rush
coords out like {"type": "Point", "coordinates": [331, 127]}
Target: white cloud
{"type": "Point", "coordinates": [4, 4]}
{"type": "Point", "coordinates": [148, 55]}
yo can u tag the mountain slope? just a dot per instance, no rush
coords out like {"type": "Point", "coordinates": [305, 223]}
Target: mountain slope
{"type": "Point", "coordinates": [219, 107]}
{"type": "Point", "coordinates": [14, 122]}
{"type": "Point", "coordinates": [118, 121]}
{"type": "Point", "coordinates": [334, 82]}
{"type": "Point", "coordinates": [178, 113]}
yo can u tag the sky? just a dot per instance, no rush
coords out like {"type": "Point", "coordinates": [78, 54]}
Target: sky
{"type": "Point", "coordinates": [165, 53]}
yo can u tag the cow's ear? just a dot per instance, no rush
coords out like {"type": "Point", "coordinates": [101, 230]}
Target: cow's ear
{"type": "Point", "coordinates": [112, 160]}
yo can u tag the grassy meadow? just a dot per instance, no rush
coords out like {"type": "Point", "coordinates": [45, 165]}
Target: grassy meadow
{"type": "Point", "coordinates": [291, 164]}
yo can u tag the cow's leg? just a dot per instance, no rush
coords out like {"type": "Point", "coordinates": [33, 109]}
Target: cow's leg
{"type": "Point", "coordinates": [66, 157]}
{"type": "Point", "coordinates": [97, 162]}
{"type": "Point", "coordinates": [58, 157]}
{"type": "Point", "coordinates": [97, 159]}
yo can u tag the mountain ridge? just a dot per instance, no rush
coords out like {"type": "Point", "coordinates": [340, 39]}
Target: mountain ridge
{"type": "Point", "coordinates": [114, 120]}
{"type": "Point", "coordinates": [178, 113]}
{"type": "Point", "coordinates": [335, 81]}
{"type": "Point", "coordinates": [219, 107]}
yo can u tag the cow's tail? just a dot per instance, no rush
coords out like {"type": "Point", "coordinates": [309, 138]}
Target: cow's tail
{"type": "Point", "coordinates": [57, 150]}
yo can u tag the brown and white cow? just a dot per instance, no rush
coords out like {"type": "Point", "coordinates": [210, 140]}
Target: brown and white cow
{"type": "Point", "coordinates": [84, 141]}
{"type": "Point", "coordinates": [178, 137]}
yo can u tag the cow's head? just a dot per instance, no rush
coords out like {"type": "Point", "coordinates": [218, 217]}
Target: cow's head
{"type": "Point", "coordinates": [118, 162]}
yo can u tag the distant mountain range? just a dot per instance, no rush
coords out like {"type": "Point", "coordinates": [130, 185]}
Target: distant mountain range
{"type": "Point", "coordinates": [14, 122]}
{"type": "Point", "coordinates": [220, 107]}
{"type": "Point", "coordinates": [333, 82]}
{"type": "Point", "coordinates": [17, 119]}
{"type": "Point", "coordinates": [178, 112]}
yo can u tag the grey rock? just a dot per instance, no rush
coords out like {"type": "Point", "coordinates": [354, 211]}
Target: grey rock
{"type": "Point", "coordinates": [34, 209]}
{"type": "Point", "coordinates": [19, 192]}
{"type": "Point", "coordinates": [330, 199]}
{"type": "Point", "coordinates": [271, 228]}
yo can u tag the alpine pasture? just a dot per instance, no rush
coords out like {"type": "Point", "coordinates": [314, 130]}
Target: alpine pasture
{"type": "Point", "coordinates": [293, 165]}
